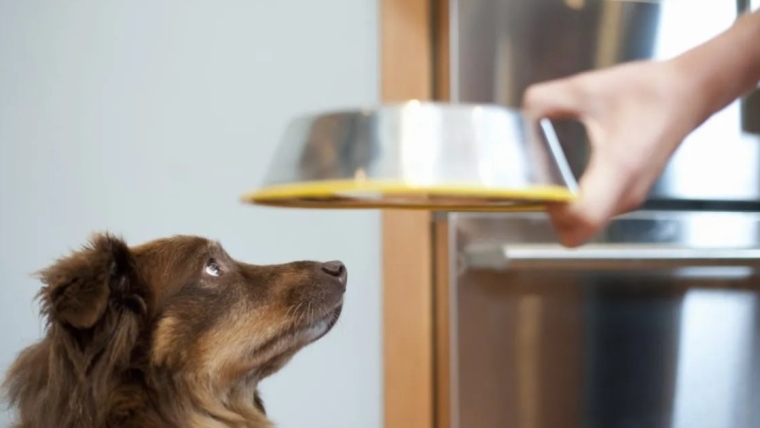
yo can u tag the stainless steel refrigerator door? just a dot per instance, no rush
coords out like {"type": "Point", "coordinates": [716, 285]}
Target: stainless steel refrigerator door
{"type": "Point", "coordinates": [500, 47]}
{"type": "Point", "coordinates": [608, 335]}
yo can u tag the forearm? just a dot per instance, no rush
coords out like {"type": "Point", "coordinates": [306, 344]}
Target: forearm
{"type": "Point", "coordinates": [722, 69]}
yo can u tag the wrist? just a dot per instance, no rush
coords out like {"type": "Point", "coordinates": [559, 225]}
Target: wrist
{"type": "Point", "coordinates": [721, 70]}
{"type": "Point", "coordinates": [690, 103]}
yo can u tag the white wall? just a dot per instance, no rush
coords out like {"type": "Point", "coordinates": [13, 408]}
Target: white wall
{"type": "Point", "coordinates": [149, 118]}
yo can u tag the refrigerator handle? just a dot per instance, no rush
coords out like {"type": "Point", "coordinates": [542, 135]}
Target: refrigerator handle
{"type": "Point", "coordinates": [604, 257]}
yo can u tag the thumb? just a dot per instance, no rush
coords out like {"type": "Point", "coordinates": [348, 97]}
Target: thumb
{"type": "Point", "coordinates": [556, 98]}
{"type": "Point", "coordinates": [601, 189]}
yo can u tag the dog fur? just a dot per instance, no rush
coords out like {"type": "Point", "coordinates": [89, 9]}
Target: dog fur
{"type": "Point", "coordinates": [171, 333]}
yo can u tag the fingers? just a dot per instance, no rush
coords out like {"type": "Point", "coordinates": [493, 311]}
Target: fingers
{"type": "Point", "coordinates": [604, 184]}
{"type": "Point", "coordinates": [602, 187]}
{"type": "Point", "coordinates": [601, 190]}
{"type": "Point", "coordinates": [578, 221]}
{"type": "Point", "coordinates": [557, 98]}
{"type": "Point", "coordinates": [634, 124]}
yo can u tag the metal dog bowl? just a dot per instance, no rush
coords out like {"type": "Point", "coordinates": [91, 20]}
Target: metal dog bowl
{"type": "Point", "coordinates": [416, 155]}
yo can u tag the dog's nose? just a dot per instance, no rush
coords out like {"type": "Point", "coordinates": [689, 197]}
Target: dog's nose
{"type": "Point", "coordinates": [336, 269]}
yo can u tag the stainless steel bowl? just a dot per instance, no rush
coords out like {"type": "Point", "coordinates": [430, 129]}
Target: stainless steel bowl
{"type": "Point", "coordinates": [418, 156]}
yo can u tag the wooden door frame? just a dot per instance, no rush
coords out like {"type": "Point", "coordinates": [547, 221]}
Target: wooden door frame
{"type": "Point", "coordinates": [414, 65]}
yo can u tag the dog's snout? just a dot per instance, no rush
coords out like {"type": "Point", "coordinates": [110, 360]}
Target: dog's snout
{"type": "Point", "coordinates": [335, 269]}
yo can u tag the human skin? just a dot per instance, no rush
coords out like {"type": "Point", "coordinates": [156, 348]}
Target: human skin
{"type": "Point", "coordinates": [637, 114]}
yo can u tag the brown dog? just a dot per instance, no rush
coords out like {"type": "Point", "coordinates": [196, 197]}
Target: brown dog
{"type": "Point", "coordinates": [172, 333]}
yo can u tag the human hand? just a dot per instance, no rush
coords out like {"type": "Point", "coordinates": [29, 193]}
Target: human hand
{"type": "Point", "coordinates": [636, 115]}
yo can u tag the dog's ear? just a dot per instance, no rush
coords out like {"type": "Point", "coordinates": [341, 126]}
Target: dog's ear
{"type": "Point", "coordinates": [79, 287]}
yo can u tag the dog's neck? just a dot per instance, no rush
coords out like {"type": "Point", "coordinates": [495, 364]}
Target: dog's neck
{"type": "Point", "coordinates": [204, 404]}
{"type": "Point", "coordinates": [122, 399]}
{"type": "Point", "coordinates": [193, 402]}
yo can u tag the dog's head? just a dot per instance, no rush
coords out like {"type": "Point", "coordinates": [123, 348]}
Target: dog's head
{"type": "Point", "coordinates": [178, 311]}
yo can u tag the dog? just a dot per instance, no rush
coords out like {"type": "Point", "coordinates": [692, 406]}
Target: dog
{"type": "Point", "coordinates": [170, 333]}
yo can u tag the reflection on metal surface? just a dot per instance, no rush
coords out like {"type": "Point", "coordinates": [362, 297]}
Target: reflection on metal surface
{"type": "Point", "coordinates": [418, 154]}
{"type": "Point", "coordinates": [670, 345]}
{"type": "Point", "coordinates": [529, 348]}
{"type": "Point", "coordinates": [500, 47]}
{"type": "Point", "coordinates": [656, 322]}
{"type": "Point", "coordinates": [718, 330]}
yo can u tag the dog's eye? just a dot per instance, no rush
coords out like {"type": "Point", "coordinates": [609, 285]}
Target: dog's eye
{"type": "Point", "coordinates": [213, 268]}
